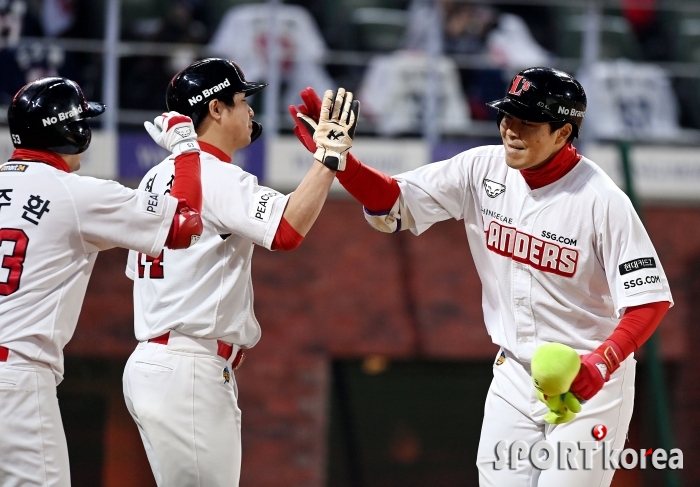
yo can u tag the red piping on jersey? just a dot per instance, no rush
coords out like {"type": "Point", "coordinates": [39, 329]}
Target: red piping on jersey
{"type": "Point", "coordinates": [44, 156]}
{"type": "Point", "coordinates": [286, 238]}
{"type": "Point", "coordinates": [637, 325]}
{"type": "Point", "coordinates": [214, 151]}
{"type": "Point", "coordinates": [553, 170]}
{"type": "Point", "coordinates": [375, 190]}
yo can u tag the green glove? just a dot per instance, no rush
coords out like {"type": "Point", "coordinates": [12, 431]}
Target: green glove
{"type": "Point", "coordinates": [554, 367]}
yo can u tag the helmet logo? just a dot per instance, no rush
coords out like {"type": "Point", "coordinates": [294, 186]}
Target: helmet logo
{"type": "Point", "coordinates": [206, 93]}
{"type": "Point", "coordinates": [571, 112]}
{"type": "Point", "coordinates": [517, 87]}
{"type": "Point", "coordinates": [62, 116]}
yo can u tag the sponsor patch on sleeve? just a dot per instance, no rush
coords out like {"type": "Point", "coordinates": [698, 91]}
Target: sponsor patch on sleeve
{"type": "Point", "coordinates": [152, 203]}
{"type": "Point", "coordinates": [262, 204]}
{"type": "Point", "coordinates": [643, 281]}
{"type": "Point", "coordinates": [637, 265]}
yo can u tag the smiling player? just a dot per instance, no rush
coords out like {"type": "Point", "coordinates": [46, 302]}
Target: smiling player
{"type": "Point", "coordinates": [561, 254]}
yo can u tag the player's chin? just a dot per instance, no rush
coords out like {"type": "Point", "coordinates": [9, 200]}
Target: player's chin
{"type": "Point", "coordinates": [516, 158]}
{"type": "Point", "coordinates": [243, 142]}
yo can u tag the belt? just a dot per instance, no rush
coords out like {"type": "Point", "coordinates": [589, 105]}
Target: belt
{"type": "Point", "coordinates": [4, 352]}
{"type": "Point", "coordinates": [224, 350]}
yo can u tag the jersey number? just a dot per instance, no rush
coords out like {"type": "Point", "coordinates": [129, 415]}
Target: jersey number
{"type": "Point", "coordinates": [13, 262]}
{"type": "Point", "coordinates": [155, 270]}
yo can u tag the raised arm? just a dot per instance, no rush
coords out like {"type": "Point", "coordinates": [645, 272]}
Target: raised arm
{"type": "Point", "coordinates": [175, 133]}
{"type": "Point", "coordinates": [376, 191]}
{"type": "Point", "coordinates": [333, 138]}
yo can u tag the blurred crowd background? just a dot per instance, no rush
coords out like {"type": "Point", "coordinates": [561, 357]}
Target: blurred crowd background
{"type": "Point", "coordinates": [374, 362]}
{"type": "Point", "coordinates": [384, 50]}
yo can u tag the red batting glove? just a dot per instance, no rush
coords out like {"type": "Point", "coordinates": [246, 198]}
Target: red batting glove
{"type": "Point", "coordinates": [596, 369]}
{"type": "Point", "coordinates": [303, 131]}
{"type": "Point", "coordinates": [312, 103]}
{"type": "Point", "coordinates": [312, 108]}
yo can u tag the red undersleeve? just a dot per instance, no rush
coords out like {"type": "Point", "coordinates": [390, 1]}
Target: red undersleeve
{"type": "Point", "coordinates": [187, 185]}
{"type": "Point", "coordinates": [375, 190]}
{"type": "Point", "coordinates": [286, 238]}
{"type": "Point", "coordinates": [637, 325]}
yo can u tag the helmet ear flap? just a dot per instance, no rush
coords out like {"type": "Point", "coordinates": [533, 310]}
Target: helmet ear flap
{"type": "Point", "coordinates": [257, 130]}
{"type": "Point", "coordinates": [79, 134]}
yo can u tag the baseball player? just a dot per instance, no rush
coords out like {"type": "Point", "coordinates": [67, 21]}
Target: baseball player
{"type": "Point", "coordinates": [562, 257]}
{"type": "Point", "coordinates": [52, 225]}
{"type": "Point", "coordinates": [193, 309]}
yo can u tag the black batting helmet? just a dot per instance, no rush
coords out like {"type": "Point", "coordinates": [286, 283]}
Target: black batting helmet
{"type": "Point", "coordinates": [544, 95]}
{"type": "Point", "coordinates": [191, 90]}
{"type": "Point", "coordinates": [51, 114]}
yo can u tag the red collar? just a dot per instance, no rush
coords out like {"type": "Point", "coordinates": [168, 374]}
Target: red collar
{"type": "Point", "coordinates": [555, 169]}
{"type": "Point", "coordinates": [47, 157]}
{"type": "Point", "coordinates": [214, 151]}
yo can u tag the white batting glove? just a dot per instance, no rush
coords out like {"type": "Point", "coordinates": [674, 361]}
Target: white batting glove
{"type": "Point", "coordinates": [335, 131]}
{"type": "Point", "coordinates": [174, 133]}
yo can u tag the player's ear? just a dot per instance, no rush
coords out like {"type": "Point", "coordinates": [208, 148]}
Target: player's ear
{"type": "Point", "coordinates": [564, 133]}
{"type": "Point", "coordinates": [215, 109]}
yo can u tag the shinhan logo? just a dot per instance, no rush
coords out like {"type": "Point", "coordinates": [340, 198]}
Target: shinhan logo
{"type": "Point", "coordinates": [208, 92]}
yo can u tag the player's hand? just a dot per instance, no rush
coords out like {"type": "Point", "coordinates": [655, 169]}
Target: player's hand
{"type": "Point", "coordinates": [596, 369]}
{"type": "Point", "coordinates": [173, 132]}
{"type": "Point", "coordinates": [335, 131]}
{"type": "Point", "coordinates": [304, 128]}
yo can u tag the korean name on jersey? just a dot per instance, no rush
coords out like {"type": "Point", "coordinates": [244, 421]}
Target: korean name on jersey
{"type": "Point", "coordinates": [52, 225]}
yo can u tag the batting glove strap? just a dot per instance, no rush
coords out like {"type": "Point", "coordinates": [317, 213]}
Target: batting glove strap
{"type": "Point", "coordinates": [596, 369]}
{"type": "Point", "coordinates": [611, 354]}
{"type": "Point", "coordinates": [186, 146]}
{"type": "Point", "coordinates": [332, 160]}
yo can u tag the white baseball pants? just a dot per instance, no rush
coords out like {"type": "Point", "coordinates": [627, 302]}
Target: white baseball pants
{"type": "Point", "coordinates": [33, 450]}
{"type": "Point", "coordinates": [186, 411]}
{"type": "Point", "coordinates": [513, 412]}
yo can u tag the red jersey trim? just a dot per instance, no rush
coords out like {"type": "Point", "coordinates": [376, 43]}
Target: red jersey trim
{"type": "Point", "coordinates": [43, 156]}
{"type": "Point", "coordinates": [214, 151]}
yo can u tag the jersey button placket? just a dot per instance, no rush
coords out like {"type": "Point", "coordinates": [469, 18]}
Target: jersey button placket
{"type": "Point", "coordinates": [522, 283]}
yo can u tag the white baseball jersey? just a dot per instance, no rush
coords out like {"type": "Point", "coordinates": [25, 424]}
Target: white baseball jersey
{"type": "Point", "coordinates": [206, 291]}
{"type": "Point", "coordinates": [52, 225]}
{"type": "Point", "coordinates": [557, 264]}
